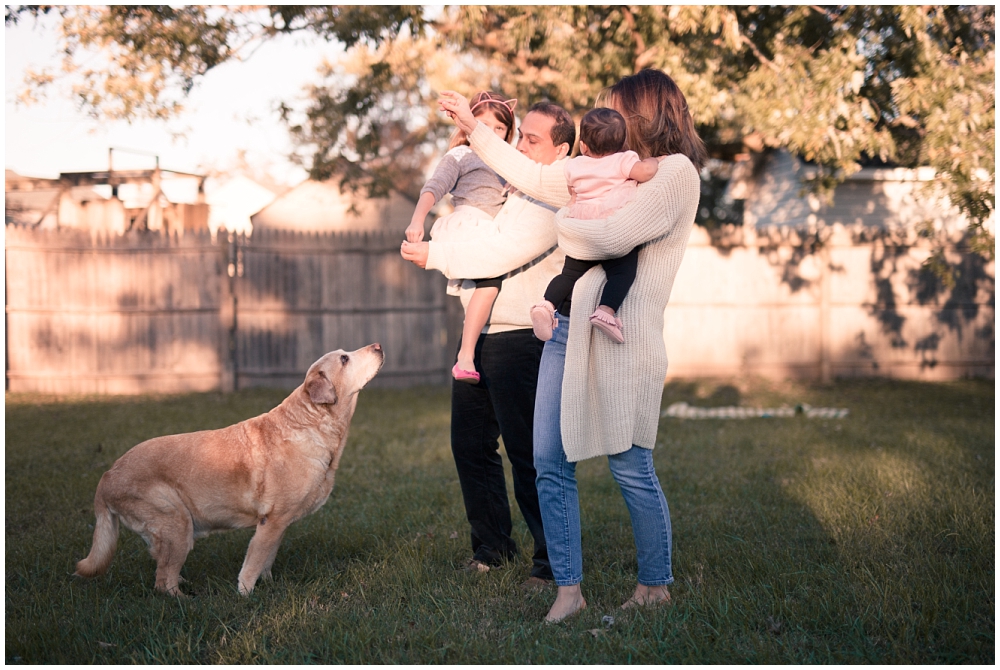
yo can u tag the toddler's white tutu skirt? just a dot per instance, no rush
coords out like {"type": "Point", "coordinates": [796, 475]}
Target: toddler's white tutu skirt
{"type": "Point", "coordinates": [464, 220]}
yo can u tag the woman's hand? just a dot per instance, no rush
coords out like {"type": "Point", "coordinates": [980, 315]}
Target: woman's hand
{"type": "Point", "coordinates": [415, 252]}
{"type": "Point", "coordinates": [457, 107]}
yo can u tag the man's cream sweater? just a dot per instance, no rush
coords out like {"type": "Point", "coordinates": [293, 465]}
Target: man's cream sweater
{"type": "Point", "coordinates": [611, 392]}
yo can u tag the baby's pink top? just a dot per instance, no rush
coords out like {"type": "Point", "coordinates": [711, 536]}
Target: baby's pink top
{"type": "Point", "coordinates": [601, 184]}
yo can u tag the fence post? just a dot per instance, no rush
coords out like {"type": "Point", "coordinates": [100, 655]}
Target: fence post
{"type": "Point", "coordinates": [6, 320]}
{"type": "Point", "coordinates": [825, 374]}
{"type": "Point", "coordinates": [227, 314]}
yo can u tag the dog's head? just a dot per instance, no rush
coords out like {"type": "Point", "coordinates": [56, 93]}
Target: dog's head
{"type": "Point", "coordinates": [340, 374]}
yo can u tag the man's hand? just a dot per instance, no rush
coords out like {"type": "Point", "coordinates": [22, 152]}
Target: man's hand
{"type": "Point", "coordinates": [415, 252]}
{"type": "Point", "coordinates": [457, 107]}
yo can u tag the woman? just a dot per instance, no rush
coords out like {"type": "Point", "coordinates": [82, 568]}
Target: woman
{"type": "Point", "coordinates": [597, 397]}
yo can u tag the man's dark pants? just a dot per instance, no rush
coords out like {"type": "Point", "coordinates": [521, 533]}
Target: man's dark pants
{"type": "Point", "coordinates": [502, 403]}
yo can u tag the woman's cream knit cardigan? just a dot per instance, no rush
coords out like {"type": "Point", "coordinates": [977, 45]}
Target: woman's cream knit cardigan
{"type": "Point", "coordinates": [611, 392]}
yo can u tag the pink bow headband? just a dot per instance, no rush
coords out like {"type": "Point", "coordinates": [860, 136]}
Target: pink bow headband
{"type": "Point", "coordinates": [484, 98]}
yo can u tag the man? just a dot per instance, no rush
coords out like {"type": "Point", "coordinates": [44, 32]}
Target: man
{"type": "Point", "coordinates": [524, 250]}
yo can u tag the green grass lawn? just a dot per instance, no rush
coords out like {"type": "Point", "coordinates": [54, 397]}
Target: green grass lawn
{"type": "Point", "coordinates": [866, 539]}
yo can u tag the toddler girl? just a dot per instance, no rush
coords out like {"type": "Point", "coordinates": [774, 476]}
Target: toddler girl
{"type": "Point", "coordinates": [601, 180]}
{"type": "Point", "coordinates": [477, 193]}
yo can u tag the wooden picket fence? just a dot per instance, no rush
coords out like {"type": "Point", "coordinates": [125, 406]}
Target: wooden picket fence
{"type": "Point", "coordinates": [157, 313]}
{"type": "Point", "coordinates": [153, 313]}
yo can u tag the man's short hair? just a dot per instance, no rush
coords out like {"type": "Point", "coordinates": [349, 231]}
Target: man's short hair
{"type": "Point", "coordinates": [563, 130]}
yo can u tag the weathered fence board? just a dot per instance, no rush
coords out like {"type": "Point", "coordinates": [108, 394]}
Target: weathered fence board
{"type": "Point", "coordinates": [303, 295]}
{"type": "Point", "coordinates": [97, 314]}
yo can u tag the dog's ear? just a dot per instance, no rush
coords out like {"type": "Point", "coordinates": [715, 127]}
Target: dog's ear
{"type": "Point", "coordinates": [320, 389]}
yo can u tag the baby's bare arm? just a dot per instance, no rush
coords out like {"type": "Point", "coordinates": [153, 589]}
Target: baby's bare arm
{"type": "Point", "coordinates": [644, 170]}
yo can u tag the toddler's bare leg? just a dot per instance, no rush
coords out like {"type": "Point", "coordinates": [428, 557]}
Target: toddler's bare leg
{"type": "Point", "coordinates": [476, 315]}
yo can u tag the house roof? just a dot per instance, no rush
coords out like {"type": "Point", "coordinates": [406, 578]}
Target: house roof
{"type": "Point", "coordinates": [320, 206]}
{"type": "Point", "coordinates": [17, 182]}
{"type": "Point", "coordinates": [234, 201]}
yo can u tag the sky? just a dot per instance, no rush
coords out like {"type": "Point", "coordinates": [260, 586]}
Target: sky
{"type": "Point", "coordinates": [231, 109]}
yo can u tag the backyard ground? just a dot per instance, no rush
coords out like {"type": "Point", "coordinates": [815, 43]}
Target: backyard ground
{"type": "Point", "coordinates": [863, 539]}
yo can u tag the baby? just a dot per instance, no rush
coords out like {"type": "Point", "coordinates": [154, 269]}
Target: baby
{"type": "Point", "coordinates": [601, 180]}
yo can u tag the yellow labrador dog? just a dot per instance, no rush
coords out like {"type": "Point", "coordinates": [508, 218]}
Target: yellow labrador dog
{"type": "Point", "coordinates": [268, 472]}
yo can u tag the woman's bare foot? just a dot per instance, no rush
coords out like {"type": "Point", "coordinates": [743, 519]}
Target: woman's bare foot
{"type": "Point", "coordinates": [569, 601]}
{"type": "Point", "coordinates": [647, 595]}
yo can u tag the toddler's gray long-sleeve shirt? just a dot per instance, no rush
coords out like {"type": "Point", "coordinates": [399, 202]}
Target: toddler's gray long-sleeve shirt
{"type": "Point", "coordinates": [469, 180]}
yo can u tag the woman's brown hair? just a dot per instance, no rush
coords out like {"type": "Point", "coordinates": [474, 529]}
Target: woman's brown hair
{"type": "Point", "coordinates": [657, 119]}
{"type": "Point", "coordinates": [502, 108]}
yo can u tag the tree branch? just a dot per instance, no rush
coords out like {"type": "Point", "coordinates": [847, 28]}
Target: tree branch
{"type": "Point", "coordinates": [753, 47]}
{"type": "Point", "coordinates": [640, 44]}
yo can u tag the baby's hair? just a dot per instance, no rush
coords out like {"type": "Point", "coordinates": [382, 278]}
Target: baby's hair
{"type": "Point", "coordinates": [603, 131]}
{"type": "Point", "coordinates": [502, 108]}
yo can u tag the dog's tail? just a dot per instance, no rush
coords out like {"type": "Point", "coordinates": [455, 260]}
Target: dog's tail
{"type": "Point", "coordinates": [105, 540]}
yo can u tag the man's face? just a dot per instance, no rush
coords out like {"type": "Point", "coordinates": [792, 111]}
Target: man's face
{"type": "Point", "coordinates": [535, 139]}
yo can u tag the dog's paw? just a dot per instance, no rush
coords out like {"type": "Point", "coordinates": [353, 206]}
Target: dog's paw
{"type": "Point", "coordinates": [175, 592]}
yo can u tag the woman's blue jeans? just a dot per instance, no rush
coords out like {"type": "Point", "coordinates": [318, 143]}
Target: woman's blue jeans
{"type": "Point", "coordinates": [557, 491]}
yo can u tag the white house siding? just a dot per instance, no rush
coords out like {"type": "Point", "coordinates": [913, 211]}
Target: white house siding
{"type": "Point", "coordinates": [881, 198]}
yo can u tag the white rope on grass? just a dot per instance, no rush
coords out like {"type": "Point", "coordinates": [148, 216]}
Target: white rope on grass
{"type": "Point", "coordinates": [681, 410]}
